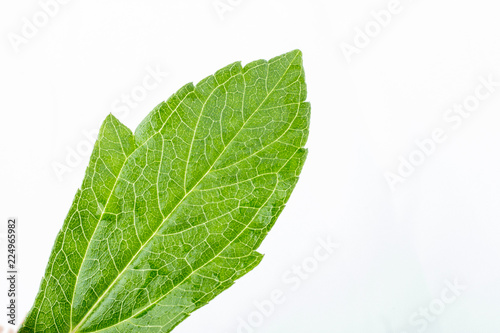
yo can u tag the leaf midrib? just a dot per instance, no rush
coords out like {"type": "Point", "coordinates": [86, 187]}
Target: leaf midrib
{"type": "Point", "coordinates": [89, 312]}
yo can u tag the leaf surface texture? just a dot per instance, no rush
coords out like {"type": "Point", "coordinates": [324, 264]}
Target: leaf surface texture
{"type": "Point", "coordinates": [170, 216]}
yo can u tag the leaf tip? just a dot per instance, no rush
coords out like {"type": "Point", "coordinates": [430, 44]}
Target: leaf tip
{"type": "Point", "coordinates": [110, 117]}
{"type": "Point", "coordinates": [296, 52]}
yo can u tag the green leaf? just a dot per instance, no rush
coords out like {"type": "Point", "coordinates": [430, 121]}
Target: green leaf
{"type": "Point", "coordinates": [170, 216]}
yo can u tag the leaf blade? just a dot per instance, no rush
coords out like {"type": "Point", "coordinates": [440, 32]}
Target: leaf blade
{"type": "Point", "coordinates": [211, 170]}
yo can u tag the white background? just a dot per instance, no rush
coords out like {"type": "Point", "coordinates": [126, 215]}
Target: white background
{"type": "Point", "coordinates": [398, 248]}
